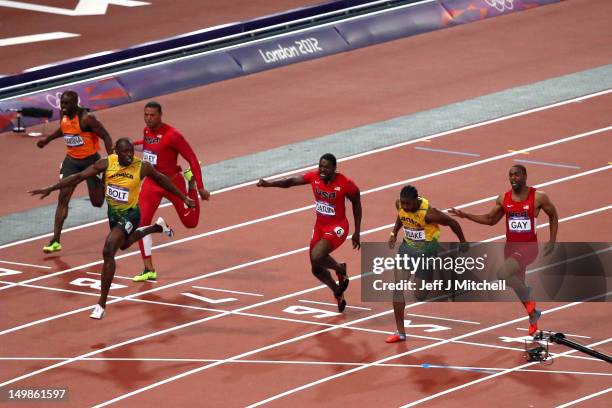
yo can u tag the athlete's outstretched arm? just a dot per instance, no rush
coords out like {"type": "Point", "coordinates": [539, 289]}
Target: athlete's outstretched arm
{"type": "Point", "coordinates": [553, 219]}
{"type": "Point", "coordinates": [45, 140]}
{"type": "Point", "coordinates": [490, 218]}
{"type": "Point", "coordinates": [74, 179]}
{"type": "Point", "coordinates": [283, 183]}
{"type": "Point", "coordinates": [147, 170]}
{"type": "Point", "coordinates": [435, 216]}
{"type": "Point", "coordinates": [356, 202]}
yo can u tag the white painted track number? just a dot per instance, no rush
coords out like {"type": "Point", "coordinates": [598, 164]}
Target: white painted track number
{"type": "Point", "coordinates": [307, 310]}
{"type": "Point", "coordinates": [430, 328]}
{"type": "Point", "coordinates": [94, 284]}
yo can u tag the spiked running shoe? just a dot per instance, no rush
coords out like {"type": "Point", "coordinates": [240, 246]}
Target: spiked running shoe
{"type": "Point", "coordinates": [533, 321]}
{"type": "Point", "coordinates": [98, 312]}
{"type": "Point", "coordinates": [169, 232]}
{"type": "Point", "coordinates": [145, 276]}
{"type": "Point", "coordinates": [341, 302]}
{"type": "Point", "coordinates": [53, 246]}
{"type": "Point", "coordinates": [396, 337]}
{"type": "Point", "coordinates": [343, 279]}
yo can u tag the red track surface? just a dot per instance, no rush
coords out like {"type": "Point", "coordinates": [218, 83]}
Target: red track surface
{"type": "Point", "coordinates": [271, 351]}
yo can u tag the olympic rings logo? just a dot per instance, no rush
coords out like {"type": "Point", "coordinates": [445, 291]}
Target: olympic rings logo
{"type": "Point", "coordinates": [54, 100]}
{"type": "Point", "coordinates": [501, 5]}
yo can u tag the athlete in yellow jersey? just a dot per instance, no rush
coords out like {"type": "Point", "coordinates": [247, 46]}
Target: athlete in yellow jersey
{"type": "Point", "coordinates": [421, 223]}
{"type": "Point", "coordinates": [81, 132]}
{"type": "Point", "coordinates": [122, 176]}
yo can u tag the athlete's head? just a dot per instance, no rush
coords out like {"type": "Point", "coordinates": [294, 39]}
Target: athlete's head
{"type": "Point", "coordinates": [518, 177]}
{"type": "Point", "coordinates": [153, 115]}
{"type": "Point", "coordinates": [409, 198]}
{"type": "Point", "coordinates": [124, 148]}
{"type": "Point", "coordinates": [327, 166]}
{"type": "Point", "coordinates": [69, 103]}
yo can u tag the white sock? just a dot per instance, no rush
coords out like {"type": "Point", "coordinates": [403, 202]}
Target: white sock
{"type": "Point", "coordinates": [147, 243]}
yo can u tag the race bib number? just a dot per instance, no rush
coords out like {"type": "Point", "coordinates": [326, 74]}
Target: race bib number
{"type": "Point", "coordinates": [73, 140]}
{"type": "Point", "coordinates": [149, 157]}
{"type": "Point", "coordinates": [339, 231]}
{"type": "Point", "coordinates": [414, 234]}
{"type": "Point", "coordinates": [118, 193]}
{"type": "Point", "coordinates": [518, 224]}
{"type": "Point", "coordinates": [324, 208]}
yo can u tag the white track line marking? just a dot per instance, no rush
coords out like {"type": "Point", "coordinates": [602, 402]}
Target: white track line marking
{"type": "Point", "coordinates": [293, 362]}
{"type": "Point", "coordinates": [566, 334]}
{"type": "Point", "coordinates": [26, 264]}
{"type": "Point", "coordinates": [27, 39]}
{"type": "Point", "coordinates": [358, 155]}
{"type": "Point", "coordinates": [384, 360]}
{"type": "Point", "coordinates": [565, 166]}
{"type": "Point", "coordinates": [333, 304]}
{"type": "Point", "coordinates": [258, 261]}
{"type": "Point", "coordinates": [429, 149]}
{"type": "Point", "coordinates": [228, 291]}
{"type": "Point", "coordinates": [587, 397]}
{"type": "Point", "coordinates": [116, 276]}
{"type": "Point", "coordinates": [507, 371]}
{"type": "Point", "coordinates": [442, 318]}
{"type": "Point", "coordinates": [293, 320]}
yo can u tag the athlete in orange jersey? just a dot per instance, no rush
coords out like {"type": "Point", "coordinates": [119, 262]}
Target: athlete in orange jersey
{"type": "Point", "coordinates": [81, 132]}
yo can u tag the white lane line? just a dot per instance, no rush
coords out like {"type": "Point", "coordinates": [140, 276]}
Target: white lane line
{"type": "Point", "coordinates": [430, 149]}
{"type": "Point", "coordinates": [565, 166]}
{"type": "Point", "coordinates": [358, 155]}
{"type": "Point", "coordinates": [228, 291]}
{"type": "Point", "coordinates": [565, 334]}
{"type": "Point", "coordinates": [116, 276]}
{"type": "Point", "coordinates": [293, 211]}
{"type": "Point", "coordinates": [333, 304]}
{"type": "Point", "coordinates": [587, 397]}
{"type": "Point", "coordinates": [507, 371]}
{"type": "Point", "coordinates": [442, 318]}
{"type": "Point", "coordinates": [258, 261]}
{"type": "Point", "coordinates": [492, 158]}
{"type": "Point", "coordinates": [26, 39]}
{"type": "Point", "coordinates": [287, 319]}
{"type": "Point", "coordinates": [384, 360]}
{"type": "Point", "coordinates": [25, 264]}
{"type": "Point", "coordinates": [294, 362]}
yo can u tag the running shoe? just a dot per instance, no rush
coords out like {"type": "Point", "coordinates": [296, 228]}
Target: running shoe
{"type": "Point", "coordinates": [533, 321]}
{"type": "Point", "coordinates": [98, 312]}
{"type": "Point", "coordinates": [165, 228]}
{"type": "Point", "coordinates": [343, 279]}
{"type": "Point", "coordinates": [145, 276]}
{"type": "Point", "coordinates": [396, 337]}
{"type": "Point", "coordinates": [341, 302]}
{"type": "Point", "coordinates": [53, 246]}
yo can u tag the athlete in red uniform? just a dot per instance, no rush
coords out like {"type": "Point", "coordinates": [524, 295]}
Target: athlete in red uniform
{"type": "Point", "coordinates": [330, 190]}
{"type": "Point", "coordinates": [161, 146]}
{"type": "Point", "coordinates": [521, 206]}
